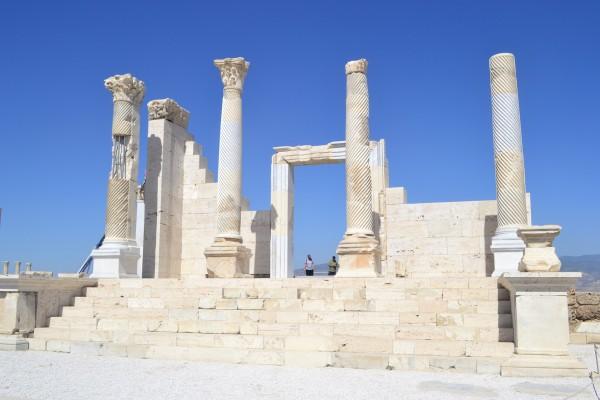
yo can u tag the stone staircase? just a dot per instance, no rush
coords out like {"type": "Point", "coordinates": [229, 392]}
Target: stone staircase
{"type": "Point", "coordinates": [416, 324]}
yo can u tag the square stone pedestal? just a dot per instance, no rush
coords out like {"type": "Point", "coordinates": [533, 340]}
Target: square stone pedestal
{"type": "Point", "coordinates": [226, 259]}
{"type": "Point", "coordinates": [541, 324]}
{"type": "Point", "coordinates": [508, 249]}
{"type": "Point", "coordinates": [115, 260]}
{"type": "Point", "coordinates": [17, 313]}
{"type": "Point", "coordinates": [358, 257]}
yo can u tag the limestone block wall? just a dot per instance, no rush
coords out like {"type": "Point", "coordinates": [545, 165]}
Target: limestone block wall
{"type": "Point", "coordinates": [433, 239]}
{"type": "Point", "coordinates": [199, 219]}
{"type": "Point", "coordinates": [256, 231]}
{"type": "Point", "coordinates": [584, 307]}
{"type": "Point", "coordinates": [199, 211]}
{"type": "Point", "coordinates": [584, 317]}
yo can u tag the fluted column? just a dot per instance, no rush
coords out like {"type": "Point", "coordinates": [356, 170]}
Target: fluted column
{"type": "Point", "coordinates": [225, 256]}
{"type": "Point", "coordinates": [127, 94]}
{"type": "Point", "coordinates": [358, 250]}
{"type": "Point", "coordinates": [119, 253]}
{"type": "Point", "coordinates": [510, 171]}
{"type": "Point", "coordinates": [233, 71]}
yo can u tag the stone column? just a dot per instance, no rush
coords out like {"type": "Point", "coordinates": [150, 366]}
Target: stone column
{"type": "Point", "coordinates": [118, 255]}
{"type": "Point", "coordinates": [226, 257]}
{"type": "Point", "coordinates": [510, 171]}
{"type": "Point", "coordinates": [282, 219]}
{"type": "Point", "coordinates": [359, 250]}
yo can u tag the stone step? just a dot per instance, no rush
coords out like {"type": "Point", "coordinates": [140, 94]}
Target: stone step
{"type": "Point", "coordinates": [351, 293]}
{"type": "Point", "coordinates": [300, 317]}
{"type": "Point", "coordinates": [403, 332]}
{"type": "Point", "coordinates": [454, 333]}
{"type": "Point", "coordinates": [284, 356]}
{"type": "Point", "coordinates": [306, 282]}
{"type": "Point", "coordinates": [428, 323]}
{"type": "Point", "coordinates": [386, 305]}
{"type": "Point", "coordinates": [294, 337]}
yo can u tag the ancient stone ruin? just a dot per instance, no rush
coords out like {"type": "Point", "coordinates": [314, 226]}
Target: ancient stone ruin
{"type": "Point", "coordinates": [462, 286]}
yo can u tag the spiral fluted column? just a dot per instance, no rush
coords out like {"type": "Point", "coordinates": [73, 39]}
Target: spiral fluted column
{"type": "Point", "coordinates": [358, 250]}
{"type": "Point", "coordinates": [119, 253]}
{"type": "Point", "coordinates": [226, 256]}
{"type": "Point", "coordinates": [510, 171]}
{"type": "Point", "coordinates": [233, 71]}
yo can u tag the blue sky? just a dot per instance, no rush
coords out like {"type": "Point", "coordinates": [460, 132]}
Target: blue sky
{"type": "Point", "coordinates": [429, 87]}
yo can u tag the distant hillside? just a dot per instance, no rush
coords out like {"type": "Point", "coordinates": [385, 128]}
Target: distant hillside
{"type": "Point", "coordinates": [589, 265]}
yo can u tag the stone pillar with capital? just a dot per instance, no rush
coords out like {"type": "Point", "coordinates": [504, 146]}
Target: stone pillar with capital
{"type": "Point", "coordinates": [506, 245]}
{"type": "Point", "coordinates": [359, 250]}
{"type": "Point", "coordinates": [227, 256]}
{"type": "Point", "coordinates": [119, 253]}
{"type": "Point", "coordinates": [163, 189]}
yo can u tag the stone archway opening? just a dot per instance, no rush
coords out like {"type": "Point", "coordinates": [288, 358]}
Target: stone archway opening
{"type": "Point", "coordinates": [319, 214]}
{"type": "Point", "coordinates": [284, 161]}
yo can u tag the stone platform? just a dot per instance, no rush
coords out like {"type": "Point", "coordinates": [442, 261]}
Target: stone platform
{"type": "Point", "coordinates": [420, 324]}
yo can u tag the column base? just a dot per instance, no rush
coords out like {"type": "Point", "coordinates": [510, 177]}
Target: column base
{"type": "Point", "coordinates": [508, 249]}
{"type": "Point", "coordinates": [358, 257]}
{"type": "Point", "coordinates": [226, 259]}
{"type": "Point", "coordinates": [543, 366]}
{"type": "Point", "coordinates": [115, 260]}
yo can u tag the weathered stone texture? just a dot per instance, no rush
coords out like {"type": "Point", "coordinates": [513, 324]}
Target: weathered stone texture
{"type": "Point", "coordinates": [163, 196]}
{"type": "Point", "coordinates": [434, 239]}
{"type": "Point", "coordinates": [400, 323]}
{"type": "Point", "coordinates": [583, 307]}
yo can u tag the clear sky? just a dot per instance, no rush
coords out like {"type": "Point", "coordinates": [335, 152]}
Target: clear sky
{"type": "Point", "coordinates": [428, 80]}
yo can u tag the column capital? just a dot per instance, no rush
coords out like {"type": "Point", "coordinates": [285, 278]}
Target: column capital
{"type": "Point", "coordinates": [233, 72]}
{"type": "Point", "coordinates": [168, 109]}
{"type": "Point", "coordinates": [125, 88]}
{"type": "Point", "coordinates": [357, 66]}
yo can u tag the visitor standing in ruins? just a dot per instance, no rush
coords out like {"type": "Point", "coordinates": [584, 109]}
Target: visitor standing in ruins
{"type": "Point", "coordinates": [309, 266]}
{"type": "Point", "coordinates": [333, 266]}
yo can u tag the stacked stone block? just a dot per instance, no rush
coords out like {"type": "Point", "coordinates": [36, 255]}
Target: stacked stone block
{"type": "Point", "coordinates": [163, 188]}
{"type": "Point", "coordinates": [199, 219]}
{"type": "Point", "coordinates": [584, 317]}
{"type": "Point", "coordinates": [439, 239]}
{"type": "Point", "coordinates": [425, 324]}
{"type": "Point", "coordinates": [198, 215]}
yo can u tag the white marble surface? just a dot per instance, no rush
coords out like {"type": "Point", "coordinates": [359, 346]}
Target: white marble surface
{"type": "Point", "coordinates": [41, 376]}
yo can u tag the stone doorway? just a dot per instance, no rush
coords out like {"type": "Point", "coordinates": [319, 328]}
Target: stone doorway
{"type": "Point", "coordinates": [282, 193]}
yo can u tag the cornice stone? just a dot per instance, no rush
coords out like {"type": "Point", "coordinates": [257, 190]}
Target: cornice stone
{"type": "Point", "coordinates": [168, 109]}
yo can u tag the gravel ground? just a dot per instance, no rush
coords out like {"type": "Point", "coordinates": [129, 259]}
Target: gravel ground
{"type": "Point", "coordinates": [41, 375]}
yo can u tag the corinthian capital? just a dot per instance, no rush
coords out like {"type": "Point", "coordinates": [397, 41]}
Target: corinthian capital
{"type": "Point", "coordinates": [168, 109]}
{"type": "Point", "coordinates": [233, 71]}
{"type": "Point", "coordinates": [356, 66]}
{"type": "Point", "coordinates": [125, 88]}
